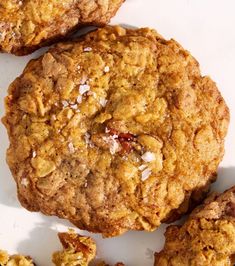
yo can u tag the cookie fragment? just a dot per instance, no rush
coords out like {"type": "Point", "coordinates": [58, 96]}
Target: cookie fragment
{"type": "Point", "coordinates": [77, 250]}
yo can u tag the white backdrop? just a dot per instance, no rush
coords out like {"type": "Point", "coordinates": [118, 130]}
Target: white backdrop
{"type": "Point", "coordinates": [206, 29]}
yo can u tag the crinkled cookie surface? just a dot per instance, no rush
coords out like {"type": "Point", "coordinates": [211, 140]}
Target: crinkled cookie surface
{"type": "Point", "coordinates": [206, 239]}
{"type": "Point", "coordinates": [115, 131]}
{"type": "Point", "coordinates": [26, 25]}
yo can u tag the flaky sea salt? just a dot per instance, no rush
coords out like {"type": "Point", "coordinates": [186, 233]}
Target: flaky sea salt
{"type": "Point", "coordinates": [113, 144]}
{"type": "Point", "coordinates": [103, 102]}
{"type": "Point", "coordinates": [84, 88]}
{"type": "Point", "coordinates": [34, 154]}
{"type": "Point", "coordinates": [87, 49]}
{"type": "Point", "coordinates": [145, 174]}
{"type": "Point", "coordinates": [65, 103]}
{"type": "Point", "coordinates": [106, 69]}
{"type": "Point", "coordinates": [114, 147]}
{"type": "Point", "coordinates": [148, 156]}
{"type": "Point", "coordinates": [79, 99]}
{"type": "Point", "coordinates": [142, 167]}
{"type": "Point", "coordinates": [87, 137]}
{"type": "Point", "coordinates": [71, 147]}
{"type": "Point", "coordinates": [107, 130]}
{"type": "Point", "coordinates": [74, 106]}
{"type": "Point", "coordinates": [24, 182]}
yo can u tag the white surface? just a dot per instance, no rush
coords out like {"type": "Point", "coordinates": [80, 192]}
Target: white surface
{"type": "Point", "coordinates": [206, 29]}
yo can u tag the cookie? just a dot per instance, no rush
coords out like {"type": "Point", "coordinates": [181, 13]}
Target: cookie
{"type": "Point", "coordinates": [115, 131]}
{"type": "Point", "coordinates": [14, 260]}
{"type": "Point", "coordinates": [207, 238]}
{"type": "Point", "coordinates": [28, 25]}
{"type": "Point", "coordinates": [77, 250]}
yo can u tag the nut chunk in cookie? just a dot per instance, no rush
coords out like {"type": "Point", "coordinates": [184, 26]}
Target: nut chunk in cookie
{"type": "Point", "coordinates": [115, 131]}
{"type": "Point", "coordinates": [14, 260]}
{"type": "Point", "coordinates": [206, 239]}
{"type": "Point", "coordinates": [26, 25]}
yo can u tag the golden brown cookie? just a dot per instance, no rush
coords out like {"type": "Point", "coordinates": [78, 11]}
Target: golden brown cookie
{"type": "Point", "coordinates": [206, 239]}
{"type": "Point", "coordinates": [14, 260]}
{"type": "Point", "coordinates": [77, 250]}
{"type": "Point", "coordinates": [28, 25]}
{"type": "Point", "coordinates": [115, 131]}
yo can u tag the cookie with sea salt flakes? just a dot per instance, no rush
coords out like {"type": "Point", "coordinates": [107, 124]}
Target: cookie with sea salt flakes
{"type": "Point", "coordinates": [114, 131]}
{"type": "Point", "coordinates": [28, 25]}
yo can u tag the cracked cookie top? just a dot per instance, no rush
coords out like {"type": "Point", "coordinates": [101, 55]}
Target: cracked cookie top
{"type": "Point", "coordinates": [206, 239]}
{"type": "Point", "coordinates": [114, 131]}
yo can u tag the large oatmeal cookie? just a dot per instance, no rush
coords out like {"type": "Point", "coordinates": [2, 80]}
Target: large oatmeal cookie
{"type": "Point", "coordinates": [115, 131]}
{"type": "Point", "coordinates": [206, 239]}
{"type": "Point", "coordinates": [28, 25]}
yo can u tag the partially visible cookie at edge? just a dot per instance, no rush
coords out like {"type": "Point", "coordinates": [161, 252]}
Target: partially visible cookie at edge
{"type": "Point", "coordinates": [28, 25]}
{"type": "Point", "coordinates": [15, 260]}
{"type": "Point", "coordinates": [77, 250]}
{"type": "Point", "coordinates": [116, 131]}
{"type": "Point", "coordinates": [207, 238]}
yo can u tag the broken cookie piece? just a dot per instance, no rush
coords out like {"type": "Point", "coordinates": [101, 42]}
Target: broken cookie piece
{"type": "Point", "coordinates": [77, 251]}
